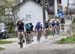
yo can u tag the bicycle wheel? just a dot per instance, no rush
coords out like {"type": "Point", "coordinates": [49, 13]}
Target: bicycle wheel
{"type": "Point", "coordinates": [53, 32]}
{"type": "Point", "coordinates": [62, 27]}
{"type": "Point", "coordinates": [21, 41]}
{"type": "Point", "coordinates": [57, 30]}
{"type": "Point", "coordinates": [21, 45]}
{"type": "Point", "coordinates": [39, 36]}
{"type": "Point", "coordinates": [27, 39]}
{"type": "Point", "coordinates": [46, 34]}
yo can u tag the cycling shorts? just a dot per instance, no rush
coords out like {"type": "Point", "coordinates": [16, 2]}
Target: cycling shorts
{"type": "Point", "coordinates": [20, 30]}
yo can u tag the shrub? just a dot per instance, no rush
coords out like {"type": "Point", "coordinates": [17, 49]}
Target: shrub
{"type": "Point", "coordinates": [11, 27]}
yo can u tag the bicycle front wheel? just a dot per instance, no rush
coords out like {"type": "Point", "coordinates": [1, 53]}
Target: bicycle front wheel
{"type": "Point", "coordinates": [21, 42]}
{"type": "Point", "coordinates": [21, 45]}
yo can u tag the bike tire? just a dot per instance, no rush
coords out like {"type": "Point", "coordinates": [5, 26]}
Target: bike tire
{"type": "Point", "coordinates": [28, 39]}
{"type": "Point", "coordinates": [21, 45]}
{"type": "Point", "coordinates": [21, 42]}
{"type": "Point", "coordinates": [39, 36]}
{"type": "Point", "coordinates": [46, 34]}
{"type": "Point", "coordinates": [53, 33]}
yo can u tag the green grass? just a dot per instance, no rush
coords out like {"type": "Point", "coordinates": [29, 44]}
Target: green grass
{"type": "Point", "coordinates": [68, 40]}
{"type": "Point", "coordinates": [5, 42]}
{"type": "Point", "coordinates": [1, 48]}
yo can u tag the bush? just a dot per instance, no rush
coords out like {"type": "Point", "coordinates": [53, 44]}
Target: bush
{"type": "Point", "coordinates": [11, 27]}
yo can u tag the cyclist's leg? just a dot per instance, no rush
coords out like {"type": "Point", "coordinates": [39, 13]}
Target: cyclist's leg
{"type": "Point", "coordinates": [25, 34]}
{"type": "Point", "coordinates": [57, 29]}
{"type": "Point", "coordinates": [18, 33]}
{"type": "Point", "coordinates": [52, 31]}
{"type": "Point", "coordinates": [31, 36]}
{"type": "Point", "coordinates": [22, 33]}
{"type": "Point", "coordinates": [28, 37]}
{"type": "Point", "coordinates": [46, 33]}
{"type": "Point", "coordinates": [38, 36]}
{"type": "Point", "coordinates": [62, 27]}
{"type": "Point", "coordinates": [32, 33]}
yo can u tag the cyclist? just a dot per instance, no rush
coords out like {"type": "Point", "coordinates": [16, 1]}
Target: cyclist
{"type": "Point", "coordinates": [38, 28]}
{"type": "Point", "coordinates": [31, 28]}
{"type": "Point", "coordinates": [20, 30]}
{"type": "Point", "coordinates": [28, 33]}
{"type": "Point", "coordinates": [57, 26]}
{"type": "Point", "coordinates": [52, 25]}
{"type": "Point", "coordinates": [46, 29]}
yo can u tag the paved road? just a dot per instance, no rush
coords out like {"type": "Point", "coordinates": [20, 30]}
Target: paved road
{"type": "Point", "coordinates": [44, 47]}
{"type": "Point", "coordinates": [16, 46]}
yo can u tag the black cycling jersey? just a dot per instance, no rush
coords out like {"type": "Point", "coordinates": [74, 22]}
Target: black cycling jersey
{"type": "Point", "coordinates": [53, 24]}
{"type": "Point", "coordinates": [57, 23]}
{"type": "Point", "coordinates": [20, 25]}
{"type": "Point", "coordinates": [46, 25]}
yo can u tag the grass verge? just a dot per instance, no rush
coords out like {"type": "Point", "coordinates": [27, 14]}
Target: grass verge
{"type": "Point", "coordinates": [5, 42]}
{"type": "Point", "coordinates": [68, 40]}
{"type": "Point", "coordinates": [1, 48]}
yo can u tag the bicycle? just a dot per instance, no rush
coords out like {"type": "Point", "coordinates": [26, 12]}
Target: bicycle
{"type": "Point", "coordinates": [39, 35]}
{"type": "Point", "coordinates": [21, 41]}
{"type": "Point", "coordinates": [28, 39]}
{"type": "Point", "coordinates": [46, 33]}
{"type": "Point", "coordinates": [58, 29]}
{"type": "Point", "coordinates": [62, 27]}
{"type": "Point", "coordinates": [53, 31]}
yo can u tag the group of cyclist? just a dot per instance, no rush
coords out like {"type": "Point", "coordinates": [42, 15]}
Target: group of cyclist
{"type": "Point", "coordinates": [52, 25]}
{"type": "Point", "coordinates": [27, 29]}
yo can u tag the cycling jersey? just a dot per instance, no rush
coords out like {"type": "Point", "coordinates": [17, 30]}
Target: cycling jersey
{"type": "Point", "coordinates": [53, 24]}
{"type": "Point", "coordinates": [20, 26]}
{"type": "Point", "coordinates": [57, 23]}
{"type": "Point", "coordinates": [38, 26]}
